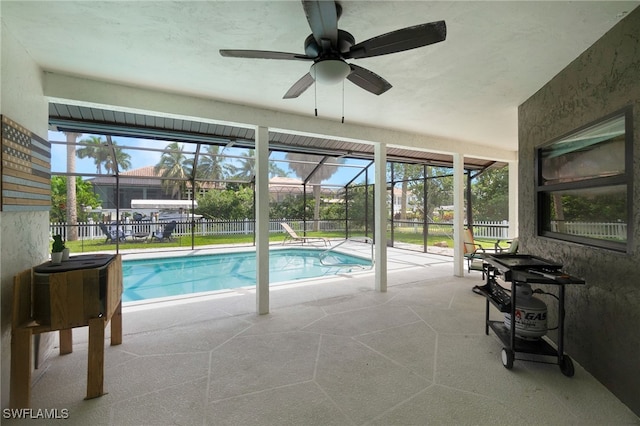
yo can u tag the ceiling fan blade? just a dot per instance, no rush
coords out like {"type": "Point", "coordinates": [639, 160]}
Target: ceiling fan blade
{"type": "Point", "coordinates": [322, 16]}
{"type": "Point", "coordinates": [263, 54]}
{"type": "Point", "coordinates": [299, 87]}
{"type": "Point", "coordinates": [399, 40]}
{"type": "Point", "coordinates": [368, 80]}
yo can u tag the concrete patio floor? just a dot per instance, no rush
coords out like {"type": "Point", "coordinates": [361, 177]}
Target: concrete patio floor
{"type": "Point", "coordinates": [332, 352]}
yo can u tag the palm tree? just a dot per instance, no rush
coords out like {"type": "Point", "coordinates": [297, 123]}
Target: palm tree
{"type": "Point", "coordinates": [246, 170]}
{"type": "Point", "coordinates": [72, 212]}
{"type": "Point", "coordinates": [94, 147]}
{"type": "Point", "coordinates": [98, 149]}
{"type": "Point", "coordinates": [274, 170]}
{"type": "Point", "coordinates": [175, 168]}
{"type": "Point", "coordinates": [247, 167]}
{"type": "Point", "coordinates": [121, 160]}
{"type": "Point", "coordinates": [212, 166]}
{"type": "Point", "coordinates": [302, 166]}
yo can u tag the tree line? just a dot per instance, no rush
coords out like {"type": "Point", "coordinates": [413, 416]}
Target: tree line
{"type": "Point", "coordinates": [228, 193]}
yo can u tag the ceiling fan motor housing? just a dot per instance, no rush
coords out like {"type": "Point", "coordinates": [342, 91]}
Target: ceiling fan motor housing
{"type": "Point", "coordinates": [345, 41]}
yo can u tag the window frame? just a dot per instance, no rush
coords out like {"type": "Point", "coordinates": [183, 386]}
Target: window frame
{"type": "Point", "coordinates": [543, 190]}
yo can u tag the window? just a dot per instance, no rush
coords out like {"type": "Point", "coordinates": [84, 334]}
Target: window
{"type": "Point", "coordinates": [584, 184]}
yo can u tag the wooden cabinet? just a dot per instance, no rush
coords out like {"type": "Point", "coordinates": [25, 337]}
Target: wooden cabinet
{"type": "Point", "coordinates": [85, 291]}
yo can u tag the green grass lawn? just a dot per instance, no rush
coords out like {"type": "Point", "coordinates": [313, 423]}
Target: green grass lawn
{"type": "Point", "coordinates": [411, 237]}
{"type": "Point", "coordinates": [178, 241]}
{"type": "Point", "coordinates": [82, 246]}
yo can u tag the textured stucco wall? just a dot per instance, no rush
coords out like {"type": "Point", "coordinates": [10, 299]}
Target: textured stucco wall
{"type": "Point", "coordinates": [603, 317]}
{"type": "Point", "coordinates": [24, 236]}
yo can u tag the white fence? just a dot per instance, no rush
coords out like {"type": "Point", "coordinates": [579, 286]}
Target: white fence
{"type": "Point", "coordinates": [600, 230]}
{"type": "Point", "coordinates": [498, 230]}
{"type": "Point", "coordinates": [482, 229]}
{"type": "Point", "coordinates": [91, 230]}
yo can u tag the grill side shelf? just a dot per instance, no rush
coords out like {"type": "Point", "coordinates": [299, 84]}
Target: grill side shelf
{"type": "Point", "coordinates": [501, 301]}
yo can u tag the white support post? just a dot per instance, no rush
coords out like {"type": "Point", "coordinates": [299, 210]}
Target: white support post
{"type": "Point", "coordinates": [380, 213]}
{"type": "Point", "coordinates": [262, 220]}
{"type": "Point", "coordinates": [513, 199]}
{"type": "Point", "coordinates": [458, 214]}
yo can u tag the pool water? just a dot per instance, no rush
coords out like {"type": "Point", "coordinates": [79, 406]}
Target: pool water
{"type": "Point", "coordinates": [173, 276]}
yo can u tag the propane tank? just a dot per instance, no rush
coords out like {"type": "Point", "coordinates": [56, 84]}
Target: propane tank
{"type": "Point", "coordinates": [531, 314]}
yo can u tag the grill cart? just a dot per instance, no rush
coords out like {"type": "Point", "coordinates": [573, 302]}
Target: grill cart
{"type": "Point", "coordinates": [524, 326]}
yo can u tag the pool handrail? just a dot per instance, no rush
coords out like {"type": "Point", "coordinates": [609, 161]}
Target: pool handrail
{"type": "Point", "coordinates": [322, 255]}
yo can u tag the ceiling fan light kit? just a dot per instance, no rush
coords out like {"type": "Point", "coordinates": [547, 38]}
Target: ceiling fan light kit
{"type": "Point", "coordinates": [329, 48]}
{"type": "Point", "coordinates": [330, 71]}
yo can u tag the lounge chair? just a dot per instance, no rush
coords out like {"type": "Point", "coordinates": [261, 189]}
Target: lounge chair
{"type": "Point", "coordinates": [165, 234]}
{"type": "Point", "coordinates": [292, 236]}
{"type": "Point", "coordinates": [111, 235]}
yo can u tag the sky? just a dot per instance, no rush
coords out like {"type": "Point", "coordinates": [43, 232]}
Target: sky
{"type": "Point", "coordinates": [142, 158]}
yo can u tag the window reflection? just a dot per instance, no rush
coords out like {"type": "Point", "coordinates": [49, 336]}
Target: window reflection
{"type": "Point", "coordinates": [584, 185]}
{"type": "Point", "coordinates": [599, 213]}
{"type": "Point", "coordinates": [596, 152]}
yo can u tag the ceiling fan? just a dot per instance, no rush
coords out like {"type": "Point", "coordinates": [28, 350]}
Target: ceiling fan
{"type": "Point", "coordinates": [329, 48]}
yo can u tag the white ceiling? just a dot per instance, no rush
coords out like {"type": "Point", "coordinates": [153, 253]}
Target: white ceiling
{"type": "Point", "coordinates": [497, 54]}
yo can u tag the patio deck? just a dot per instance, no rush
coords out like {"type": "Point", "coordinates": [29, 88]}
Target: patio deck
{"type": "Point", "coordinates": [331, 352]}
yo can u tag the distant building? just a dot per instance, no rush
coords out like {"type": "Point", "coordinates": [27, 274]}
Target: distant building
{"type": "Point", "coordinates": [281, 187]}
{"type": "Point", "coordinates": [396, 202]}
{"type": "Point", "coordinates": [144, 184]}
{"type": "Point", "coordinates": [141, 183]}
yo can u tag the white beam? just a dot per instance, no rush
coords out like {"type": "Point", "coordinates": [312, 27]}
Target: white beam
{"type": "Point", "coordinates": [380, 213]}
{"type": "Point", "coordinates": [262, 220]}
{"type": "Point", "coordinates": [458, 214]}
{"type": "Point", "coordinates": [118, 97]}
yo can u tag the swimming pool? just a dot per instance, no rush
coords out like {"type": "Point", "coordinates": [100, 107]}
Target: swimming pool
{"type": "Point", "coordinates": [173, 276]}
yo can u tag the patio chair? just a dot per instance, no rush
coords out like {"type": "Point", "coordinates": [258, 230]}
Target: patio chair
{"type": "Point", "coordinates": [292, 236]}
{"type": "Point", "coordinates": [165, 234]}
{"type": "Point", "coordinates": [477, 263]}
{"type": "Point", "coordinates": [512, 249]}
{"type": "Point", "coordinates": [111, 235]}
{"type": "Point", "coordinates": [474, 252]}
